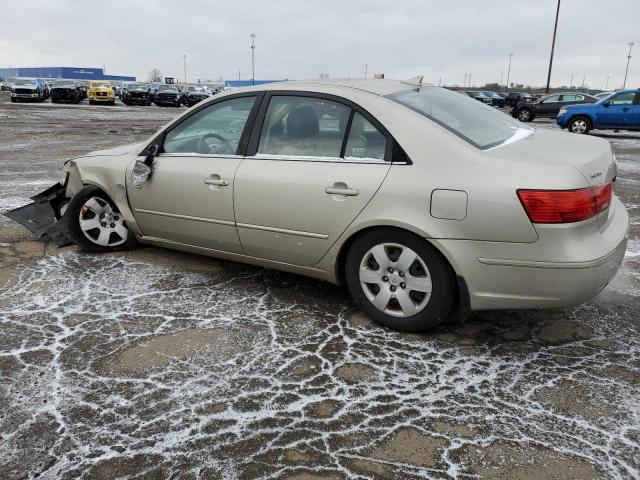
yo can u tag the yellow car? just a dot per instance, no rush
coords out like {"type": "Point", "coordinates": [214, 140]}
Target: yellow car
{"type": "Point", "coordinates": [101, 91]}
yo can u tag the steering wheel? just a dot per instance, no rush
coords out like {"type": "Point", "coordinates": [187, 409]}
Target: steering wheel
{"type": "Point", "coordinates": [204, 147]}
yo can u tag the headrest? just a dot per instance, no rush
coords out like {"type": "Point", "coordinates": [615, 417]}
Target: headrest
{"type": "Point", "coordinates": [302, 122]}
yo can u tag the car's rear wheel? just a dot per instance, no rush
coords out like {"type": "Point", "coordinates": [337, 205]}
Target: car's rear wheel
{"type": "Point", "coordinates": [95, 223]}
{"type": "Point", "coordinates": [400, 280]}
{"type": "Point", "coordinates": [580, 125]}
{"type": "Point", "coordinates": [525, 115]}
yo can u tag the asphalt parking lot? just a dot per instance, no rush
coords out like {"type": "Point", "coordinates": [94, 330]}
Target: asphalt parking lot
{"type": "Point", "coordinates": [159, 364]}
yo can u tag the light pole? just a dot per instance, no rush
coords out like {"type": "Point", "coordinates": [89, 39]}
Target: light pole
{"type": "Point", "coordinates": [501, 75]}
{"type": "Point", "coordinates": [509, 71]}
{"type": "Point", "coordinates": [465, 81]}
{"type": "Point", "coordinates": [571, 81]}
{"type": "Point", "coordinates": [553, 45]}
{"type": "Point", "coordinates": [624, 84]}
{"type": "Point", "coordinates": [184, 61]}
{"type": "Point", "coordinates": [253, 49]}
{"type": "Point", "coordinates": [366, 68]}
{"type": "Point", "coordinates": [606, 85]}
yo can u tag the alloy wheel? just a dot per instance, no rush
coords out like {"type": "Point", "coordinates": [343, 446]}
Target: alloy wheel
{"type": "Point", "coordinates": [579, 126]}
{"type": "Point", "coordinates": [395, 279]}
{"type": "Point", "coordinates": [101, 224]}
{"type": "Point", "coordinates": [524, 115]}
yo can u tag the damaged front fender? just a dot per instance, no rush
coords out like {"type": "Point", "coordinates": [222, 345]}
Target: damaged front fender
{"type": "Point", "coordinates": [45, 217]}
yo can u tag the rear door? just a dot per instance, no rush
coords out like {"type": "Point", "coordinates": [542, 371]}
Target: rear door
{"type": "Point", "coordinates": [312, 165]}
{"type": "Point", "coordinates": [634, 118]}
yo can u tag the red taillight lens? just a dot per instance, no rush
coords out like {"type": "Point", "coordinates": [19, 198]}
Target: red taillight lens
{"type": "Point", "coordinates": [565, 206]}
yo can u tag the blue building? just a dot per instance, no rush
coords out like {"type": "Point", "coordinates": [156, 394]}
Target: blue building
{"type": "Point", "coordinates": [76, 73]}
{"type": "Point", "coordinates": [243, 83]}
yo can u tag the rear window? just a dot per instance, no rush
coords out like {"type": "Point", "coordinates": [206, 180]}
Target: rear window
{"type": "Point", "coordinates": [480, 125]}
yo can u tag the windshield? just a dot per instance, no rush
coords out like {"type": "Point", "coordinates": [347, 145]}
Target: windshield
{"type": "Point", "coordinates": [100, 85]}
{"type": "Point", "coordinates": [480, 125]}
{"type": "Point", "coordinates": [136, 86]}
{"type": "Point", "coordinates": [64, 84]}
{"type": "Point", "coordinates": [23, 81]}
{"type": "Point", "coordinates": [196, 89]}
{"type": "Point", "coordinates": [167, 88]}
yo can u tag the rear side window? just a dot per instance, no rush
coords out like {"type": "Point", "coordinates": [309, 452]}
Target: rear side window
{"type": "Point", "coordinates": [572, 98]}
{"type": "Point", "coordinates": [365, 141]}
{"type": "Point", "coordinates": [303, 127]}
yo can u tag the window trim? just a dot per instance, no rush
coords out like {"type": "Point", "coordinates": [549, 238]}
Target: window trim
{"type": "Point", "coordinates": [254, 137]}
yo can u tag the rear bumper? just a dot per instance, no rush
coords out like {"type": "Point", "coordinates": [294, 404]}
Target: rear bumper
{"type": "Point", "coordinates": [559, 270]}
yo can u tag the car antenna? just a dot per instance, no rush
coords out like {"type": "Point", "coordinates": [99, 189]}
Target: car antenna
{"type": "Point", "coordinates": [414, 81]}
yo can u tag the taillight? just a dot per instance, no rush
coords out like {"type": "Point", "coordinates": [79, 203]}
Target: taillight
{"type": "Point", "coordinates": [565, 206]}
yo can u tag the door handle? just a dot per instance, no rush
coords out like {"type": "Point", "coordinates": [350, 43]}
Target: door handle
{"type": "Point", "coordinates": [216, 181]}
{"type": "Point", "coordinates": [349, 192]}
{"type": "Point", "coordinates": [625, 109]}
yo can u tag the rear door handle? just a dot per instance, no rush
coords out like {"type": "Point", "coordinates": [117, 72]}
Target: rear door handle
{"type": "Point", "coordinates": [350, 192]}
{"type": "Point", "coordinates": [216, 181]}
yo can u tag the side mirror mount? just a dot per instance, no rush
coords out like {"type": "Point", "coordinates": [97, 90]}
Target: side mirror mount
{"type": "Point", "coordinates": [606, 104]}
{"type": "Point", "coordinates": [142, 169]}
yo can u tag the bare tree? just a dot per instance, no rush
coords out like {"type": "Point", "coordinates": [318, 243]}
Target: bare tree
{"type": "Point", "coordinates": [155, 75]}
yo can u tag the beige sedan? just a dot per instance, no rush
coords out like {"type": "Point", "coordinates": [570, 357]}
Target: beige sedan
{"type": "Point", "coordinates": [424, 202]}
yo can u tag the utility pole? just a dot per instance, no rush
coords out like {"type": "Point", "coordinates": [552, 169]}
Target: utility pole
{"type": "Point", "coordinates": [366, 68]}
{"type": "Point", "coordinates": [501, 74]}
{"type": "Point", "coordinates": [571, 82]}
{"type": "Point", "coordinates": [584, 77]}
{"type": "Point", "coordinates": [606, 85]}
{"type": "Point", "coordinates": [464, 85]}
{"type": "Point", "coordinates": [184, 61]}
{"type": "Point", "coordinates": [253, 49]}
{"type": "Point", "coordinates": [469, 79]}
{"type": "Point", "coordinates": [624, 84]}
{"type": "Point", "coordinates": [553, 45]}
{"type": "Point", "coordinates": [509, 71]}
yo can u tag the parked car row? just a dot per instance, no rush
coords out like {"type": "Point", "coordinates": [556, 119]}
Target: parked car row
{"type": "Point", "coordinates": [548, 106]}
{"type": "Point", "coordinates": [103, 91]}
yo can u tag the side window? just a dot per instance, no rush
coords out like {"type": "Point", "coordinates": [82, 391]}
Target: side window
{"type": "Point", "coordinates": [214, 130]}
{"type": "Point", "coordinates": [623, 99]}
{"type": "Point", "coordinates": [365, 140]}
{"type": "Point", "coordinates": [552, 99]}
{"type": "Point", "coordinates": [572, 98]}
{"type": "Point", "coordinates": [303, 126]}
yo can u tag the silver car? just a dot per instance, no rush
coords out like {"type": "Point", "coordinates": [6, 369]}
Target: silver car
{"type": "Point", "coordinates": [424, 202]}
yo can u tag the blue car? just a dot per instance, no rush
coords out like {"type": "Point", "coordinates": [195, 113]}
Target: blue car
{"type": "Point", "coordinates": [496, 100]}
{"type": "Point", "coordinates": [618, 111]}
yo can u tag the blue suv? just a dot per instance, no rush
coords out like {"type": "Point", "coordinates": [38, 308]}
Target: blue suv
{"type": "Point", "coordinates": [619, 111]}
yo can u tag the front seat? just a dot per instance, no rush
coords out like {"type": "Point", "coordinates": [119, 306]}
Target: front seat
{"type": "Point", "coordinates": [303, 127]}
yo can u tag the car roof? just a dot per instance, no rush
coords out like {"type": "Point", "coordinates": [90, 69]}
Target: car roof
{"type": "Point", "coordinates": [377, 87]}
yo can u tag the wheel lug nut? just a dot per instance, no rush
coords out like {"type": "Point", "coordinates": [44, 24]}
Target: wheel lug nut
{"type": "Point", "coordinates": [103, 224]}
{"type": "Point", "coordinates": [116, 218]}
{"type": "Point", "coordinates": [390, 270]}
{"type": "Point", "coordinates": [393, 289]}
{"type": "Point", "coordinates": [401, 274]}
{"type": "Point", "coordinates": [113, 225]}
{"type": "Point", "coordinates": [403, 285]}
{"type": "Point", "coordinates": [385, 279]}
{"type": "Point", "coordinates": [102, 215]}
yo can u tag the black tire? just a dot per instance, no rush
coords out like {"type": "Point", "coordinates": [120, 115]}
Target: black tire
{"type": "Point", "coordinates": [576, 122]}
{"type": "Point", "coordinates": [13, 100]}
{"type": "Point", "coordinates": [73, 213]}
{"type": "Point", "coordinates": [443, 290]}
{"type": "Point", "coordinates": [525, 115]}
{"type": "Point", "coordinates": [91, 102]}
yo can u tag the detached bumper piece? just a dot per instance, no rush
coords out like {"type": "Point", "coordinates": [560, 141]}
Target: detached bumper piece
{"type": "Point", "coordinates": [44, 217]}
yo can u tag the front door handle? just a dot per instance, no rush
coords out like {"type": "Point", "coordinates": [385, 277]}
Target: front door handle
{"type": "Point", "coordinates": [349, 192]}
{"type": "Point", "coordinates": [625, 109]}
{"type": "Point", "coordinates": [216, 181]}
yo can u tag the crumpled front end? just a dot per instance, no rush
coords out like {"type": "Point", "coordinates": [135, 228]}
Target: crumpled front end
{"type": "Point", "coordinates": [45, 217]}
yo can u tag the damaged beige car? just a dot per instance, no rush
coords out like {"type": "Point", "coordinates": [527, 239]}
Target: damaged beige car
{"type": "Point", "coordinates": [424, 202]}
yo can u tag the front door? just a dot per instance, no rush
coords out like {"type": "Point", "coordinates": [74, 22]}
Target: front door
{"type": "Point", "coordinates": [619, 111]}
{"type": "Point", "coordinates": [318, 164]}
{"type": "Point", "coordinates": [188, 198]}
{"type": "Point", "coordinates": [549, 107]}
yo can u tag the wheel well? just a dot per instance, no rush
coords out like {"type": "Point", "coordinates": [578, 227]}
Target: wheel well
{"type": "Point", "coordinates": [346, 246]}
{"type": "Point", "coordinates": [580, 115]}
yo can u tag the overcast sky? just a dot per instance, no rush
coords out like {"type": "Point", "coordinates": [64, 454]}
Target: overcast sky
{"type": "Point", "coordinates": [301, 39]}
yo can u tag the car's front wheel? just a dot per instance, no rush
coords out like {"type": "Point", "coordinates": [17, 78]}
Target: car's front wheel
{"type": "Point", "coordinates": [579, 125]}
{"type": "Point", "coordinates": [525, 115]}
{"type": "Point", "coordinates": [95, 224]}
{"type": "Point", "coordinates": [400, 280]}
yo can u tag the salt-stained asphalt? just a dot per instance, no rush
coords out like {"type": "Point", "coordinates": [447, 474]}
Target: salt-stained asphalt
{"type": "Point", "coordinates": [158, 364]}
